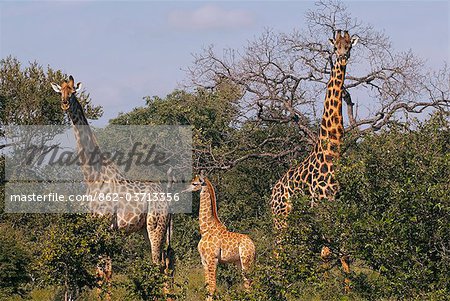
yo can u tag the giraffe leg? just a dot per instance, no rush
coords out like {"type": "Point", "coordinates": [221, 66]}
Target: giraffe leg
{"type": "Point", "coordinates": [103, 276]}
{"type": "Point", "coordinates": [281, 226]}
{"type": "Point", "coordinates": [325, 254]}
{"type": "Point", "coordinates": [169, 269]}
{"type": "Point", "coordinates": [155, 232]}
{"type": "Point", "coordinates": [169, 256]}
{"type": "Point", "coordinates": [108, 276]}
{"type": "Point", "coordinates": [210, 268]}
{"type": "Point", "coordinates": [345, 262]}
{"type": "Point", "coordinates": [155, 235]}
{"type": "Point", "coordinates": [247, 257]}
{"type": "Point", "coordinates": [99, 275]}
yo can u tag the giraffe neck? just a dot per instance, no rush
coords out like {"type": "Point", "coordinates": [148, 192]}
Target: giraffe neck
{"type": "Point", "coordinates": [208, 208]}
{"type": "Point", "coordinates": [91, 161]}
{"type": "Point", "coordinates": [332, 128]}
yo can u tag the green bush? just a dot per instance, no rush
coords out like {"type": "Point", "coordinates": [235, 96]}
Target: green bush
{"type": "Point", "coordinates": [69, 251]}
{"type": "Point", "coordinates": [14, 262]}
{"type": "Point", "coordinates": [146, 282]}
{"type": "Point", "coordinates": [392, 216]}
{"type": "Point", "coordinates": [393, 211]}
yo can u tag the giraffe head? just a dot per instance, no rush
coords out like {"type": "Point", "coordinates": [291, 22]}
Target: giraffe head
{"type": "Point", "coordinates": [67, 89]}
{"type": "Point", "coordinates": [196, 184]}
{"type": "Point", "coordinates": [342, 45]}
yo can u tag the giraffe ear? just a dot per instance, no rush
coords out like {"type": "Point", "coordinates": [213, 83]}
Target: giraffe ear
{"type": "Point", "coordinates": [71, 81]}
{"type": "Point", "coordinates": [78, 88]}
{"type": "Point", "coordinates": [355, 40]}
{"type": "Point", "coordinates": [202, 176]}
{"type": "Point", "coordinates": [331, 41]}
{"type": "Point", "coordinates": [56, 87]}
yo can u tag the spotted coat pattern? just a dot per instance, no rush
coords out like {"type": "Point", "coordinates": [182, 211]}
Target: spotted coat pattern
{"type": "Point", "coordinates": [218, 245]}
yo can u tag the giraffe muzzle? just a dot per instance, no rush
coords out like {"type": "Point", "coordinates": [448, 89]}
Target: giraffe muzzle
{"type": "Point", "coordinates": [188, 189]}
{"type": "Point", "coordinates": [343, 59]}
{"type": "Point", "coordinates": [65, 105]}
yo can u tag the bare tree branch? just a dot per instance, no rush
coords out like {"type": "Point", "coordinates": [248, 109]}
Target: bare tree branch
{"type": "Point", "coordinates": [283, 77]}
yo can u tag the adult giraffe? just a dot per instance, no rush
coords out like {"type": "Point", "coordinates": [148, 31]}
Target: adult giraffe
{"type": "Point", "coordinates": [315, 175]}
{"type": "Point", "coordinates": [102, 177]}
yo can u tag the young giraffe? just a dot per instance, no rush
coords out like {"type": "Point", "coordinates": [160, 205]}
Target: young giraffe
{"type": "Point", "coordinates": [315, 175]}
{"type": "Point", "coordinates": [218, 245]}
{"type": "Point", "coordinates": [103, 177]}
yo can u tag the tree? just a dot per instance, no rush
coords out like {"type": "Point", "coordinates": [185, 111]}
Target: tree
{"type": "Point", "coordinates": [392, 215]}
{"type": "Point", "coordinates": [26, 98]}
{"type": "Point", "coordinates": [69, 251]}
{"type": "Point", "coordinates": [146, 282]}
{"type": "Point", "coordinates": [220, 140]}
{"type": "Point", "coordinates": [282, 76]}
{"type": "Point", "coordinates": [14, 262]}
{"type": "Point", "coordinates": [393, 211]}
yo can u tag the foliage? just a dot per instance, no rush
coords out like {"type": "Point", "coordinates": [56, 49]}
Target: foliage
{"type": "Point", "coordinates": [70, 249]}
{"type": "Point", "coordinates": [394, 208]}
{"type": "Point", "coordinates": [392, 217]}
{"type": "Point", "coordinates": [282, 76]}
{"type": "Point", "coordinates": [146, 282]}
{"type": "Point", "coordinates": [26, 96]}
{"type": "Point", "coordinates": [250, 123]}
{"type": "Point", "coordinates": [14, 262]}
{"type": "Point", "coordinates": [220, 141]}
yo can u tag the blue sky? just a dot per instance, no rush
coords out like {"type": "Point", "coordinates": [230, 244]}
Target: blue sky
{"type": "Point", "coordinates": [123, 51]}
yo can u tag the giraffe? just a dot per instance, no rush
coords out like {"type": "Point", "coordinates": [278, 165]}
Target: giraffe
{"type": "Point", "coordinates": [102, 176]}
{"type": "Point", "coordinates": [315, 175]}
{"type": "Point", "coordinates": [218, 245]}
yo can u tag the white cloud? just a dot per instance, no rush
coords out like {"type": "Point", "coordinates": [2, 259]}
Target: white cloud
{"type": "Point", "coordinates": [210, 17]}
